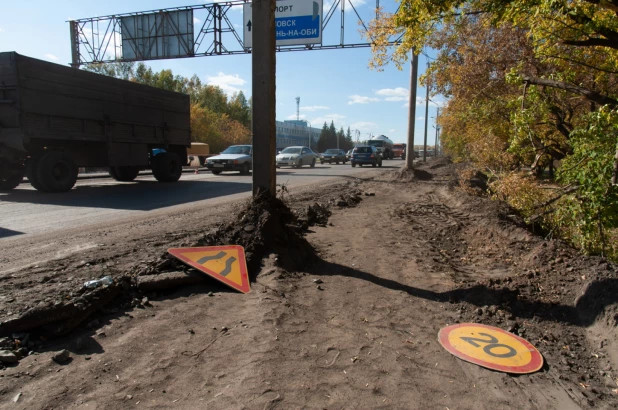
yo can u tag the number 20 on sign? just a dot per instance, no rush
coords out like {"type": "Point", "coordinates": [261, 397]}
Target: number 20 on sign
{"type": "Point", "coordinates": [491, 347]}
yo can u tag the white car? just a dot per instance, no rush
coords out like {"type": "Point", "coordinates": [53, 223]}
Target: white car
{"type": "Point", "coordinates": [296, 157]}
{"type": "Point", "coordinates": [234, 158]}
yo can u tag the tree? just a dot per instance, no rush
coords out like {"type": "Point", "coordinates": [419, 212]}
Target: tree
{"type": "Point", "coordinates": [323, 141]}
{"type": "Point", "coordinates": [239, 109]}
{"type": "Point", "coordinates": [528, 82]}
{"type": "Point", "coordinates": [122, 70]}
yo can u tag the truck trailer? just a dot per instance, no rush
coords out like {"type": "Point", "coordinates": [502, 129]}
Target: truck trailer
{"type": "Point", "coordinates": [383, 144]}
{"type": "Point", "coordinates": [55, 119]}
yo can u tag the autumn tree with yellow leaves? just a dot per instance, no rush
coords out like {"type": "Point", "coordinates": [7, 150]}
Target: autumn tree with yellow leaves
{"type": "Point", "coordinates": [531, 84]}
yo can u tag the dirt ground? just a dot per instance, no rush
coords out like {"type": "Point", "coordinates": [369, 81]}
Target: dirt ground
{"type": "Point", "coordinates": [349, 291]}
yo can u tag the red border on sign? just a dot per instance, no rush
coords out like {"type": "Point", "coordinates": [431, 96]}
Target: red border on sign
{"type": "Point", "coordinates": [244, 277]}
{"type": "Point", "coordinates": [536, 361]}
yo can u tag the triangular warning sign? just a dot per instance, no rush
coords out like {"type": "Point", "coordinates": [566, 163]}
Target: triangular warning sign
{"type": "Point", "coordinates": [227, 264]}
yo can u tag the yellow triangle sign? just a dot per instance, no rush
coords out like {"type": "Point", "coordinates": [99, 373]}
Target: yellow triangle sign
{"type": "Point", "coordinates": [227, 264]}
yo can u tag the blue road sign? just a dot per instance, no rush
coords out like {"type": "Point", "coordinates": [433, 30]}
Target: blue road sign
{"type": "Point", "coordinates": [297, 22]}
{"type": "Point", "coordinates": [297, 27]}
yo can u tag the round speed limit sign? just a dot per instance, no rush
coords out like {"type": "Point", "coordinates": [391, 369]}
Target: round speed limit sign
{"type": "Point", "coordinates": [491, 347]}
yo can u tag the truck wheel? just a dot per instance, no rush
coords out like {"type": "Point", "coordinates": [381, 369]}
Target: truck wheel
{"type": "Point", "coordinates": [216, 172]}
{"type": "Point", "coordinates": [167, 167]}
{"type": "Point", "coordinates": [55, 171]}
{"type": "Point", "coordinates": [124, 174]}
{"type": "Point", "coordinates": [353, 165]}
{"type": "Point", "coordinates": [245, 169]}
{"type": "Point", "coordinates": [31, 172]}
{"type": "Point", "coordinates": [10, 180]}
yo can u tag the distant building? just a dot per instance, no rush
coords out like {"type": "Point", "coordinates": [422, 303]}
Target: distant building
{"type": "Point", "coordinates": [293, 132]}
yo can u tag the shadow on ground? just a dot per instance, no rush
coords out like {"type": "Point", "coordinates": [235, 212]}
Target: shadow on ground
{"type": "Point", "coordinates": [589, 305]}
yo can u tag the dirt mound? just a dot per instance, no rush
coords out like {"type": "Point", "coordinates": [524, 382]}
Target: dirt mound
{"type": "Point", "coordinates": [265, 225]}
{"type": "Point", "coordinates": [440, 162]}
{"type": "Point", "coordinates": [409, 175]}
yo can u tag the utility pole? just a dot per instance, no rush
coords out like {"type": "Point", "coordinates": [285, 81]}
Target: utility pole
{"type": "Point", "coordinates": [435, 151]}
{"type": "Point", "coordinates": [263, 90]}
{"type": "Point", "coordinates": [426, 120]}
{"type": "Point", "coordinates": [297, 108]}
{"type": "Point", "coordinates": [412, 110]}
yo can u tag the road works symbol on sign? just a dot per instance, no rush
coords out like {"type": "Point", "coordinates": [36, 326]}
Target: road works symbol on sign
{"type": "Point", "coordinates": [227, 264]}
{"type": "Point", "coordinates": [491, 347]}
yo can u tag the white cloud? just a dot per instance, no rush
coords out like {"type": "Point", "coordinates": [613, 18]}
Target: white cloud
{"type": "Point", "coordinates": [393, 130]}
{"type": "Point", "coordinates": [196, 20]}
{"type": "Point", "coordinates": [359, 99]}
{"type": "Point", "coordinates": [230, 83]}
{"type": "Point", "coordinates": [419, 101]}
{"type": "Point", "coordinates": [314, 108]}
{"type": "Point", "coordinates": [364, 125]}
{"type": "Point", "coordinates": [357, 3]}
{"type": "Point", "coordinates": [319, 121]}
{"type": "Point", "coordinates": [293, 117]}
{"type": "Point", "coordinates": [50, 56]}
{"type": "Point", "coordinates": [420, 118]}
{"type": "Point", "coordinates": [394, 94]}
{"type": "Point", "coordinates": [1, 30]}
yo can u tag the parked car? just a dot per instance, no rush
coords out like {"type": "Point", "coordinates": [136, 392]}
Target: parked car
{"type": "Point", "coordinates": [366, 154]}
{"type": "Point", "coordinates": [233, 158]}
{"type": "Point", "coordinates": [296, 157]}
{"type": "Point", "coordinates": [333, 155]}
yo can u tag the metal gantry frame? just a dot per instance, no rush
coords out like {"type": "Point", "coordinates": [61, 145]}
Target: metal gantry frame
{"type": "Point", "coordinates": [98, 39]}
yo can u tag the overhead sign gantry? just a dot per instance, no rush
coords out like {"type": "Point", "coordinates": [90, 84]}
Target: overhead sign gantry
{"type": "Point", "coordinates": [286, 25]}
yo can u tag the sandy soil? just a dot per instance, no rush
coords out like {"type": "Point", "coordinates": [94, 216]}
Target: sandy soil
{"type": "Point", "coordinates": [349, 322]}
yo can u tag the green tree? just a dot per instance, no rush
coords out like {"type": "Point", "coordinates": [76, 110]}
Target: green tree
{"type": "Point", "coordinates": [239, 109]}
{"type": "Point", "coordinates": [529, 83]}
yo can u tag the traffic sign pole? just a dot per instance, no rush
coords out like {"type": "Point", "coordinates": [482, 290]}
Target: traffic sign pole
{"type": "Point", "coordinates": [263, 91]}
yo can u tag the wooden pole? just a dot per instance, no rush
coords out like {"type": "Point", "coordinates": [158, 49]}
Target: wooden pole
{"type": "Point", "coordinates": [426, 120]}
{"type": "Point", "coordinates": [263, 92]}
{"type": "Point", "coordinates": [412, 112]}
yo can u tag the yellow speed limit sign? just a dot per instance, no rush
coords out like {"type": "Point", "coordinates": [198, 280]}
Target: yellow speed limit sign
{"type": "Point", "coordinates": [491, 347]}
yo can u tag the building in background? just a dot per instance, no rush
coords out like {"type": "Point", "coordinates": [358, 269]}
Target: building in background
{"type": "Point", "coordinates": [297, 132]}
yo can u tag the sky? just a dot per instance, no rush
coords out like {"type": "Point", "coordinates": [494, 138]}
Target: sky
{"type": "Point", "coordinates": [333, 85]}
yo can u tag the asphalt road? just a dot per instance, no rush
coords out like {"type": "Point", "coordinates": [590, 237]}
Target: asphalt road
{"type": "Point", "coordinates": [98, 199]}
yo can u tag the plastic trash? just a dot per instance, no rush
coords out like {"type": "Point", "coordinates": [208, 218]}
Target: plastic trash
{"type": "Point", "coordinates": [91, 284]}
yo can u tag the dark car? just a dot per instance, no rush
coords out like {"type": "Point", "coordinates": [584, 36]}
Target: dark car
{"type": "Point", "coordinates": [366, 154]}
{"type": "Point", "coordinates": [333, 155]}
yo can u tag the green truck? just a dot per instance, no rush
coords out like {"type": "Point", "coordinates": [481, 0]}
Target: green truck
{"type": "Point", "coordinates": [55, 119]}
